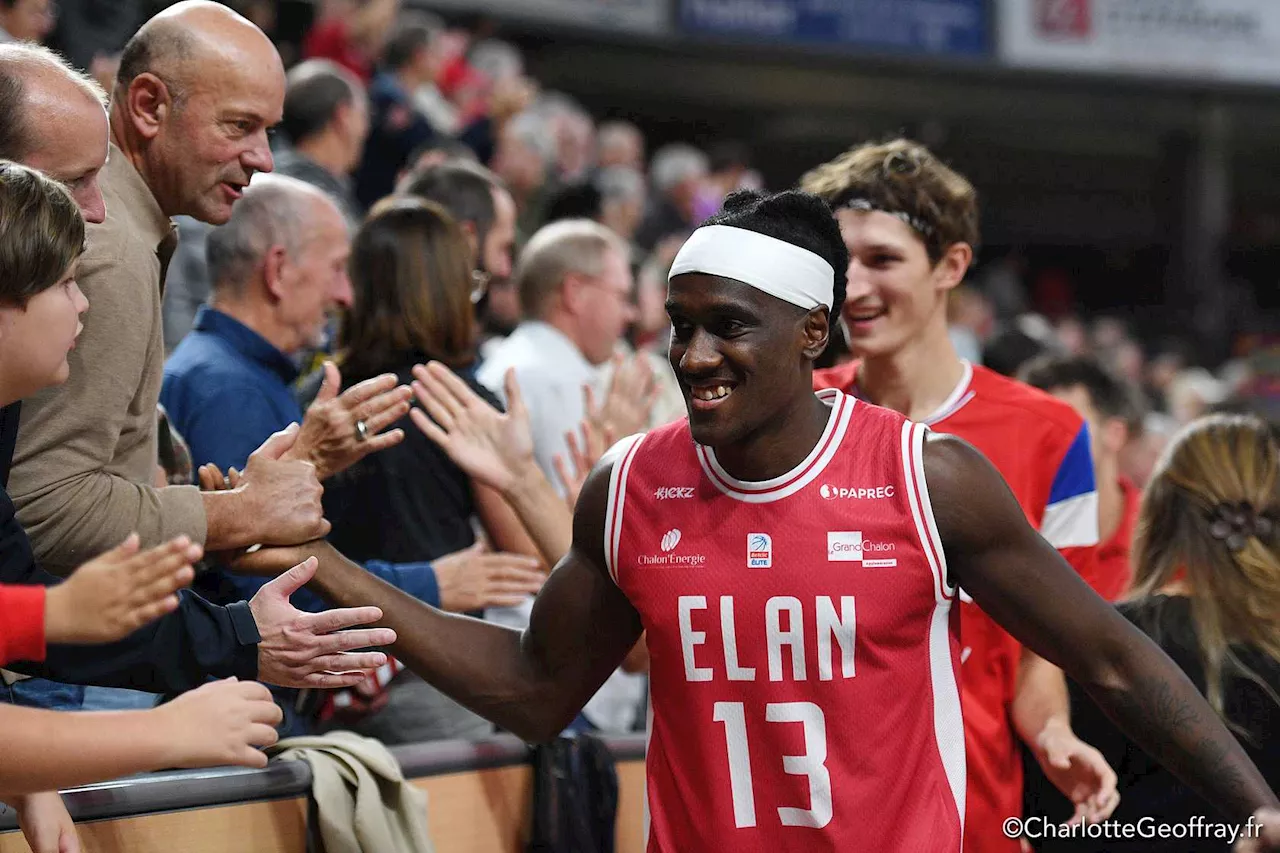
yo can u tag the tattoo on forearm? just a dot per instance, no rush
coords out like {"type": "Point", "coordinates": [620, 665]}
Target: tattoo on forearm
{"type": "Point", "coordinates": [1179, 729]}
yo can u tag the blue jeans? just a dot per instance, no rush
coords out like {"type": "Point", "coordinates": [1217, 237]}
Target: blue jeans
{"type": "Point", "coordinates": [117, 699]}
{"type": "Point", "coordinates": [38, 693]}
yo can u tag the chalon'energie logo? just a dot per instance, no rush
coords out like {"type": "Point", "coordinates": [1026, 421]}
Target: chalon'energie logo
{"type": "Point", "coordinates": [670, 539]}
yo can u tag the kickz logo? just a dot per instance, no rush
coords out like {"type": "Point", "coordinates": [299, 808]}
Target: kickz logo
{"type": "Point", "coordinates": [668, 493]}
{"type": "Point", "coordinates": [759, 551]}
{"type": "Point", "coordinates": [833, 493]}
{"type": "Point", "coordinates": [847, 546]}
{"type": "Point", "coordinates": [668, 557]}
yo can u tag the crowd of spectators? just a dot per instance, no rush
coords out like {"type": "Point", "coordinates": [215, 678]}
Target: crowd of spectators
{"type": "Point", "coordinates": [253, 341]}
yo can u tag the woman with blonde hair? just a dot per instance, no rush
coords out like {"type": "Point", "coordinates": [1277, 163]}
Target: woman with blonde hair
{"type": "Point", "coordinates": [1206, 588]}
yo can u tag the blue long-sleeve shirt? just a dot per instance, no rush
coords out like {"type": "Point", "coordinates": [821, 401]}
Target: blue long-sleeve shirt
{"type": "Point", "coordinates": [226, 390]}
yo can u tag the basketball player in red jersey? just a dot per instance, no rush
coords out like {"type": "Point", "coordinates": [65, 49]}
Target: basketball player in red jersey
{"type": "Point", "coordinates": [910, 224]}
{"type": "Point", "coordinates": [803, 655]}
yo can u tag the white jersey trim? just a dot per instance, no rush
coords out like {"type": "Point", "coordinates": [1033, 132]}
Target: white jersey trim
{"type": "Point", "coordinates": [956, 400]}
{"type": "Point", "coordinates": [948, 721]}
{"type": "Point", "coordinates": [777, 488]}
{"type": "Point", "coordinates": [625, 453]}
{"type": "Point", "coordinates": [913, 435]}
{"type": "Point", "coordinates": [1072, 523]}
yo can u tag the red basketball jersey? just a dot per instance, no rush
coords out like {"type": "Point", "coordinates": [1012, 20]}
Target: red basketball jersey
{"type": "Point", "coordinates": [803, 643]}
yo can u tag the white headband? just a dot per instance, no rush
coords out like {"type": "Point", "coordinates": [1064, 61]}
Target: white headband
{"type": "Point", "coordinates": [774, 266]}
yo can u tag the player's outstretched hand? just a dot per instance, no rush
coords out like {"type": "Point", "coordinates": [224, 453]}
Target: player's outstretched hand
{"type": "Point", "coordinates": [300, 649]}
{"type": "Point", "coordinates": [495, 448]}
{"type": "Point", "coordinates": [220, 723]}
{"type": "Point", "coordinates": [1080, 772]}
{"type": "Point", "coordinates": [113, 595]}
{"type": "Point", "coordinates": [1264, 840]}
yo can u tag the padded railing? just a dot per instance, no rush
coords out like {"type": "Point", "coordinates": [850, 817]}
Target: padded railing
{"type": "Point", "coordinates": [167, 792]}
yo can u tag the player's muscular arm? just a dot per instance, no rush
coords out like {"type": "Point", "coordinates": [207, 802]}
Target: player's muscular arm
{"type": "Point", "coordinates": [531, 683]}
{"type": "Point", "coordinates": [1026, 586]}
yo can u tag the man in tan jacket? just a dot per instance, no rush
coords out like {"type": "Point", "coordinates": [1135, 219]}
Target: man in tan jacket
{"type": "Point", "coordinates": [188, 123]}
{"type": "Point", "coordinates": [197, 91]}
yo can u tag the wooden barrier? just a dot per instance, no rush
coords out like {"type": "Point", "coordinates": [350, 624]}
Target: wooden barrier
{"type": "Point", "coordinates": [478, 801]}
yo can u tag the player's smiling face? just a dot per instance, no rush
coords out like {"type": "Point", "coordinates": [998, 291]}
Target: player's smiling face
{"type": "Point", "coordinates": [738, 354]}
{"type": "Point", "coordinates": [894, 292]}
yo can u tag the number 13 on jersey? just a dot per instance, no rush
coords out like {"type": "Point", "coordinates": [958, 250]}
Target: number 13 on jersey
{"type": "Point", "coordinates": [811, 764]}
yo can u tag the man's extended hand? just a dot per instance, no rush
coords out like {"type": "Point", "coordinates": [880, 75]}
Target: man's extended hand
{"type": "Point", "coordinates": [300, 649]}
{"type": "Point", "coordinates": [282, 496]}
{"type": "Point", "coordinates": [115, 594]}
{"type": "Point", "coordinates": [1079, 771]}
{"type": "Point", "coordinates": [331, 438]}
{"type": "Point", "coordinates": [493, 447]}
{"type": "Point", "coordinates": [475, 578]}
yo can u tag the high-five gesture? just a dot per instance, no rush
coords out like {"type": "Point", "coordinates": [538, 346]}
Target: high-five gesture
{"type": "Point", "coordinates": [300, 649]}
{"type": "Point", "coordinates": [629, 399]}
{"type": "Point", "coordinates": [113, 595]}
{"type": "Point", "coordinates": [493, 447]}
{"type": "Point", "coordinates": [340, 430]}
{"type": "Point", "coordinates": [585, 451]}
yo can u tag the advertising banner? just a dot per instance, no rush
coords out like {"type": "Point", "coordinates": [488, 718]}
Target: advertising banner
{"type": "Point", "coordinates": [956, 27]}
{"type": "Point", "coordinates": [636, 16]}
{"type": "Point", "coordinates": [1226, 40]}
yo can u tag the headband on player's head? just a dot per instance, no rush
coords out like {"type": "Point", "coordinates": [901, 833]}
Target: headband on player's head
{"type": "Point", "coordinates": [773, 266]}
{"type": "Point", "coordinates": [867, 206]}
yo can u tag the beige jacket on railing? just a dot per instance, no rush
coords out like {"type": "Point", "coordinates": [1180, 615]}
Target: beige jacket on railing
{"type": "Point", "coordinates": [362, 798]}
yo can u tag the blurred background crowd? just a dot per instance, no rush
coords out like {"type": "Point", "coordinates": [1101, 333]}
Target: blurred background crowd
{"type": "Point", "coordinates": [561, 151]}
{"type": "Point", "coordinates": [651, 155]}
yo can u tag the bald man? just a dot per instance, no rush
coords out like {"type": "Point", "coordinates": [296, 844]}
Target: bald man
{"type": "Point", "coordinates": [55, 121]}
{"type": "Point", "coordinates": [198, 88]}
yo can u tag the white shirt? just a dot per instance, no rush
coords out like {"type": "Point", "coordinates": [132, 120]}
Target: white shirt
{"type": "Point", "coordinates": [551, 371]}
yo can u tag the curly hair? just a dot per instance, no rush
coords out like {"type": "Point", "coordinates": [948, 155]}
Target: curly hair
{"type": "Point", "coordinates": [906, 179]}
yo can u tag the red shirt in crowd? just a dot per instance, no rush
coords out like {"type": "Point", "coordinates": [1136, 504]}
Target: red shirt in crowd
{"type": "Point", "coordinates": [1112, 564]}
{"type": "Point", "coordinates": [21, 622]}
{"type": "Point", "coordinates": [330, 39]}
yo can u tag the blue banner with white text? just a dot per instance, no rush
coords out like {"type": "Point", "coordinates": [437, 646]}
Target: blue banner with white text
{"type": "Point", "coordinates": [939, 27]}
